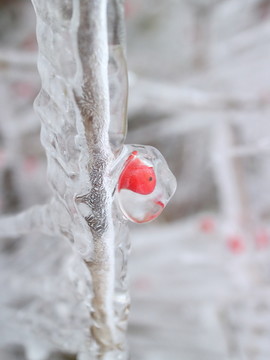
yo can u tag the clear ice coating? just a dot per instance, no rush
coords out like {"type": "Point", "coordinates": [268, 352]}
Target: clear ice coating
{"type": "Point", "coordinates": [145, 184]}
{"type": "Point", "coordinates": [118, 84]}
{"type": "Point", "coordinates": [92, 303]}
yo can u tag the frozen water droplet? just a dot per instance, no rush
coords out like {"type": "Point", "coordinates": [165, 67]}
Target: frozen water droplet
{"type": "Point", "coordinates": [145, 184]}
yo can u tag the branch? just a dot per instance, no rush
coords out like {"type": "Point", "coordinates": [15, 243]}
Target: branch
{"type": "Point", "coordinates": [74, 106]}
{"type": "Point", "coordinates": [148, 95]}
{"type": "Point", "coordinates": [93, 102]}
{"type": "Point", "coordinates": [42, 219]}
{"type": "Point", "coordinates": [245, 40]}
{"type": "Point", "coordinates": [227, 175]}
{"type": "Point", "coordinates": [83, 127]}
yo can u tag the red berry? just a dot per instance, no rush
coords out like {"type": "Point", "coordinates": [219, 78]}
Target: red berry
{"type": "Point", "coordinates": [30, 164]}
{"type": "Point", "coordinates": [137, 176]}
{"type": "Point", "coordinates": [236, 244]}
{"type": "Point", "coordinates": [207, 225]}
{"type": "Point", "coordinates": [262, 239]}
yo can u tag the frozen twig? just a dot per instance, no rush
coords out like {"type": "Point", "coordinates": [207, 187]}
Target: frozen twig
{"type": "Point", "coordinates": [93, 103]}
{"type": "Point", "coordinates": [227, 175]}
{"type": "Point", "coordinates": [248, 39]}
{"type": "Point", "coordinates": [167, 98]}
{"type": "Point", "coordinates": [39, 219]}
{"type": "Point", "coordinates": [83, 127]}
{"type": "Point", "coordinates": [190, 122]}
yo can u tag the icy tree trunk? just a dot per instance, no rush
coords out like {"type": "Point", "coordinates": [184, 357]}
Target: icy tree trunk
{"type": "Point", "coordinates": [74, 106]}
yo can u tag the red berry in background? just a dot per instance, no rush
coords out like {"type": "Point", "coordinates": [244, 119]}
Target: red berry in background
{"type": "Point", "coordinates": [30, 43]}
{"type": "Point", "coordinates": [137, 176]}
{"type": "Point", "coordinates": [262, 239]}
{"type": "Point", "coordinates": [24, 90]}
{"type": "Point", "coordinates": [236, 244]}
{"type": "Point", "coordinates": [207, 225]}
{"type": "Point", "coordinates": [143, 283]}
{"type": "Point", "coordinates": [30, 164]}
{"type": "Point", "coordinates": [131, 8]}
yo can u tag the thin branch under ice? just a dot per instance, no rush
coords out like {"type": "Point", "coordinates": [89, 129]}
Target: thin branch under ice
{"type": "Point", "coordinates": [74, 106]}
{"type": "Point", "coordinates": [82, 107]}
{"type": "Point", "coordinates": [93, 103]}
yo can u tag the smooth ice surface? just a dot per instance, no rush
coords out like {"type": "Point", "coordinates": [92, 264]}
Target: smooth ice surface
{"type": "Point", "coordinates": [145, 184]}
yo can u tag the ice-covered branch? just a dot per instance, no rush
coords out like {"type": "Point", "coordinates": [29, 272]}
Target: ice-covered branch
{"type": "Point", "coordinates": [226, 170]}
{"type": "Point", "coordinates": [74, 106]}
{"type": "Point", "coordinates": [83, 110]}
{"type": "Point", "coordinates": [168, 98]}
{"type": "Point", "coordinates": [82, 106]}
{"type": "Point", "coordinates": [93, 103]}
{"type": "Point", "coordinates": [40, 219]}
{"type": "Point", "coordinates": [251, 38]}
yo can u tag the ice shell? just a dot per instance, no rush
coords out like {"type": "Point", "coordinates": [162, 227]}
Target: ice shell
{"type": "Point", "coordinates": [145, 184]}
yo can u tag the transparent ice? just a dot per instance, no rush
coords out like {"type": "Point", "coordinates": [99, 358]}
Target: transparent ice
{"type": "Point", "coordinates": [144, 166]}
{"type": "Point", "coordinates": [83, 108]}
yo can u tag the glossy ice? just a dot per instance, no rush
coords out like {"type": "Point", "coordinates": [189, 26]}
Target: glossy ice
{"type": "Point", "coordinates": [145, 184]}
